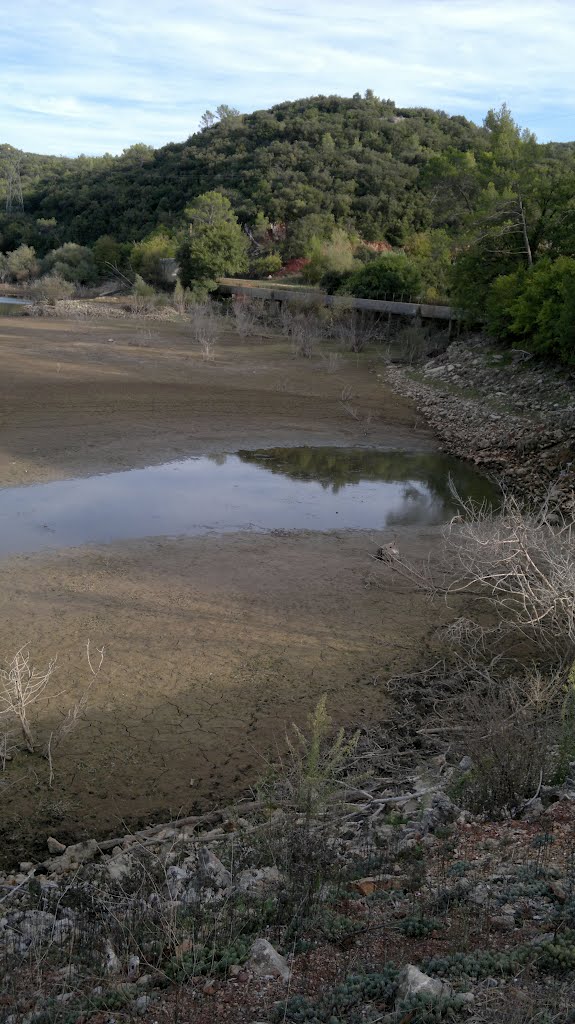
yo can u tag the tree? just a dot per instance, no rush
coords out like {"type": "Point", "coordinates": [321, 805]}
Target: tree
{"type": "Point", "coordinates": [224, 112]}
{"type": "Point", "coordinates": [146, 256]}
{"type": "Point", "coordinates": [207, 119]}
{"type": "Point", "coordinates": [431, 252]}
{"type": "Point", "coordinates": [334, 256]}
{"type": "Point", "coordinates": [73, 263]}
{"type": "Point", "coordinates": [138, 154]}
{"type": "Point", "coordinates": [216, 245]}
{"type": "Point", "coordinates": [535, 307]}
{"type": "Point", "coordinates": [389, 277]}
{"type": "Point", "coordinates": [22, 263]}
{"type": "Point", "coordinates": [109, 255]}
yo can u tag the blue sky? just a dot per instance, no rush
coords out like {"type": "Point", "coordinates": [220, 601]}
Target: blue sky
{"type": "Point", "coordinates": [78, 78]}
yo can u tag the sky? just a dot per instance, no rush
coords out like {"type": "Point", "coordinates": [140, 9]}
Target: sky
{"type": "Point", "coordinates": [96, 78]}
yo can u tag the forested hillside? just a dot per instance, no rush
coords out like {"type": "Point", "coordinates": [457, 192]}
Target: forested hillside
{"type": "Point", "coordinates": [483, 216]}
{"type": "Point", "coordinates": [359, 160]}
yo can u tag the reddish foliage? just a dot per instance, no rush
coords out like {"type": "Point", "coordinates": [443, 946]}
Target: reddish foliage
{"type": "Point", "coordinates": [294, 266]}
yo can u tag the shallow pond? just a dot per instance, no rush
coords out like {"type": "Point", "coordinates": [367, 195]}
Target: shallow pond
{"type": "Point", "coordinates": [286, 488]}
{"type": "Point", "coordinates": [12, 306]}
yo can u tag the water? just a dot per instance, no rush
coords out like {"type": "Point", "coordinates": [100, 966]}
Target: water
{"type": "Point", "coordinates": [11, 306]}
{"type": "Point", "coordinates": [288, 489]}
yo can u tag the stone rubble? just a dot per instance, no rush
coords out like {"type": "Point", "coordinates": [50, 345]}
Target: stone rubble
{"type": "Point", "coordinates": [514, 418]}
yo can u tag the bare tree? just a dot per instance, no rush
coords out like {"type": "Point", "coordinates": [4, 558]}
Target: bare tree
{"type": "Point", "coordinates": [22, 685]}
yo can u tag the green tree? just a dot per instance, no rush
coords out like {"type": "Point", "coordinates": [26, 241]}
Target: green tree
{"type": "Point", "coordinates": [431, 252]}
{"type": "Point", "coordinates": [391, 276]}
{"type": "Point", "coordinates": [110, 255]}
{"type": "Point", "coordinates": [22, 263]}
{"type": "Point", "coordinates": [146, 256]}
{"type": "Point", "coordinates": [216, 245]}
{"type": "Point", "coordinates": [536, 308]}
{"type": "Point", "coordinates": [334, 256]}
{"type": "Point", "coordinates": [138, 154]}
{"type": "Point", "coordinates": [71, 262]}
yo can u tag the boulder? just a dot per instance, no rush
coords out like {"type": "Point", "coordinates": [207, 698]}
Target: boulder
{"type": "Point", "coordinates": [413, 982]}
{"type": "Point", "coordinates": [212, 870]}
{"type": "Point", "coordinates": [266, 962]}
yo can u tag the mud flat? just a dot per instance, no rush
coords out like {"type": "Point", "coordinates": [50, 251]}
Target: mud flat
{"type": "Point", "coordinates": [213, 644]}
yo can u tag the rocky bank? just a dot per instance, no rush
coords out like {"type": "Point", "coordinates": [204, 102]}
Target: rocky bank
{"type": "Point", "coordinates": [511, 415]}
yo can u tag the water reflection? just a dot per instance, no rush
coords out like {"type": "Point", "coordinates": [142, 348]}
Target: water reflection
{"type": "Point", "coordinates": [290, 489]}
{"type": "Point", "coordinates": [335, 468]}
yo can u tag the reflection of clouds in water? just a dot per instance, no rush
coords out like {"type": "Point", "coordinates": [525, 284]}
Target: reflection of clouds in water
{"type": "Point", "coordinates": [217, 493]}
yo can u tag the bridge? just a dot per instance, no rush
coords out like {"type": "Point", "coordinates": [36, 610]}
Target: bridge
{"type": "Point", "coordinates": [284, 293]}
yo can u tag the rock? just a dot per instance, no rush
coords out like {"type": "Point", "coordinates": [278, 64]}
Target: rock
{"type": "Point", "coordinates": [534, 809]}
{"type": "Point", "coordinates": [26, 866]}
{"type": "Point", "coordinates": [36, 923]}
{"type": "Point", "coordinates": [73, 856]}
{"type": "Point", "coordinates": [61, 931]}
{"type": "Point", "coordinates": [502, 922]}
{"type": "Point", "coordinates": [133, 967]}
{"type": "Point", "coordinates": [259, 879]}
{"type": "Point", "coordinates": [266, 962]}
{"type": "Point", "coordinates": [68, 972]}
{"type": "Point", "coordinates": [120, 865]}
{"type": "Point", "coordinates": [65, 997]}
{"type": "Point", "coordinates": [112, 963]}
{"type": "Point", "coordinates": [466, 764]}
{"type": "Point", "coordinates": [212, 869]}
{"type": "Point", "coordinates": [413, 982]}
{"type": "Point", "coordinates": [54, 846]}
{"type": "Point", "coordinates": [142, 1004]}
{"type": "Point", "coordinates": [441, 811]}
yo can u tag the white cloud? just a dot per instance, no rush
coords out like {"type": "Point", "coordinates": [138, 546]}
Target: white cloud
{"type": "Point", "coordinates": [91, 79]}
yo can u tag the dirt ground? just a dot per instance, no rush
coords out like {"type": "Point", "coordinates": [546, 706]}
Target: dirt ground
{"type": "Point", "coordinates": [213, 645]}
{"type": "Point", "coordinates": [79, 397]}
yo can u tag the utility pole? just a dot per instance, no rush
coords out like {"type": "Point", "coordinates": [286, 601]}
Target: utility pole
{"type": "Point", "coordinates": [14, 197]}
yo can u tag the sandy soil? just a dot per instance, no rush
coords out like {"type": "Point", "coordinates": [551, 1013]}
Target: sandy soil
{"type": "Point", "coordinates": [213, 645]}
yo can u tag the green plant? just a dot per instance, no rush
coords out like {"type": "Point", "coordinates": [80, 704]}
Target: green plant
{"type": "Point", "coordinates": [318, 761]}
{"type": "Point", "coordinates": [418, 926]}
{"type": "Point", "coordinates": [216, 245]}
{"type": "Point", "coordinates": [203, 958]}
{"type": "Point", "coordinates": [393, 275]}
{"type": "Point", "coordinates": [339, 1003]}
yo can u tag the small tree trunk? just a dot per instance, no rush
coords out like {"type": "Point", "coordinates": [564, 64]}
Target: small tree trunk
{"type": "Point", "coordinates": [27, 731]}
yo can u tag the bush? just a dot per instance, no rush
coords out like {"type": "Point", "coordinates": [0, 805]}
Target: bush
{"type": "Point", "coordinates": [146, 256]}
{"type": "Point", "coordinates": [51, 288]}
{"type": "Point", "coordinates": [390, 276]}
{"type": "Point", "coordinates": [263, 266]}
{"type": "Point", "coordinates": [333, 255]}
{"type": "Point", "coordinates": [73, 263]}
{"type": "Point", "coordinates": [537, 308]}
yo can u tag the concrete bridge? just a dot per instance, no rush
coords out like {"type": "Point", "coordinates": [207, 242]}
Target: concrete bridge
{"type": "Point", "coordinates": [283, 293]}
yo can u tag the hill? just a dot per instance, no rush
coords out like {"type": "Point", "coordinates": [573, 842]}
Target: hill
{"type": "Point", "coordinates": [360, 161]}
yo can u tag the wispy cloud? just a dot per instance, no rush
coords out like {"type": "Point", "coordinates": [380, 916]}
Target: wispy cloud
{"type": "Point", "coordinates": [90, 79]}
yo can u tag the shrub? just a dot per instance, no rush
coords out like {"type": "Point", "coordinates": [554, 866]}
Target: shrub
{"type": "Point", "coordinates": [51, 288]}
{"type": "Point", "coordinates": [263, 266]}
{"type": "Point", "coordinates": [332, 256]}
{"type": "Point", "coordinates": [390, 276]}
{"type": "Point", "coordinates": [72, 262]}
{"type": "Point", "coordinates": [536, 308]}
